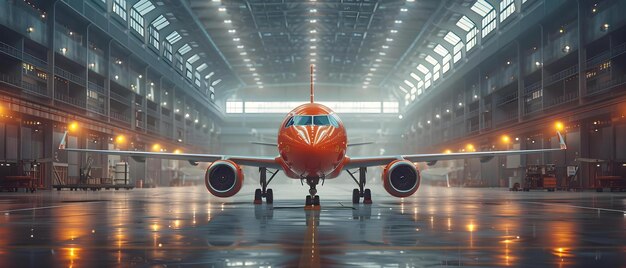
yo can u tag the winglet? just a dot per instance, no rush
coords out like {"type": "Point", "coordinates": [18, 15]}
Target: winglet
{"type": "Point", "coordinates": [63, 142]}
{"type": "Point", "coordinates": [561, 141]}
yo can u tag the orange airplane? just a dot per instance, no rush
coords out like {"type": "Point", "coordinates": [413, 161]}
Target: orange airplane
{"type": "Point", "coordinates": [312, 143]}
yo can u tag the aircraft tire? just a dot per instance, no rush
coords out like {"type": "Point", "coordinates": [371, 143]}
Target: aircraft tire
{"type": "Point", "coordinates": [355, 196]}
{"type": "Point", "coordinates": [269, 196]}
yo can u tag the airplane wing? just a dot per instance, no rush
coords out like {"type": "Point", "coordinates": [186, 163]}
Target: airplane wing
{"type": "Point", "coordinates": [358, 162]}
{"type": "Point", "coordinates": [268, 162]}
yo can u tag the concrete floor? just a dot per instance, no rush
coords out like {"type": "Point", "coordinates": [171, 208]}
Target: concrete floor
{"type": "Point", "coordinates": [436, 227]}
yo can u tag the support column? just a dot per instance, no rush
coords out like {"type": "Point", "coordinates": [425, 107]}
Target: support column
{"type": "Point", "coordinates": [582, 55]}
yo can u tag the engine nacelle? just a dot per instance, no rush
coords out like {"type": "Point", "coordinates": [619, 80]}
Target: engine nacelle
{"type": "Point", "coordinates": [223, 178]}
{"type": "Point", "coordinates": [401, 178]}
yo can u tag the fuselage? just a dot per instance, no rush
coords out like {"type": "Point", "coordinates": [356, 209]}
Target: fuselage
{"type": "Point", "coordinates": [312, 142]}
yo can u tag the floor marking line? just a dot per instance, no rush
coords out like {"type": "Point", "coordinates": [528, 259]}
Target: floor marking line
{"type": "Point", "coordinates": [573, 206]}
{"type": "Point", "coordinates": [48, 207]}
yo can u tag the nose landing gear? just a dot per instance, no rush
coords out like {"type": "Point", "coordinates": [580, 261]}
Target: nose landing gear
{"type": "Point", "coordinates": [362, 191]}
{"type": "Point", "coordinates": [259, 194]}
{"type": "Point", "coordinates": [312, 201]}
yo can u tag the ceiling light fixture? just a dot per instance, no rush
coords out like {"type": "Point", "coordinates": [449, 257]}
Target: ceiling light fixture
{"type": "Point", "coordinates": [222, 9]}
{"type": "Point", "coordinates": [404, 9]}
{"type": "Point", "coordinates": [228, 21]}
{"type": "Point", "coordinates": [236, 39]}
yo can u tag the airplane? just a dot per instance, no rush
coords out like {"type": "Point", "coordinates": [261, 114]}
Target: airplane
{"type": "Point", "coordinates": [312, 144]}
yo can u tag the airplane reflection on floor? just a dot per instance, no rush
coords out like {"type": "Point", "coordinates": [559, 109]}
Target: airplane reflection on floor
{"type": "Point", "coordinates": [439, 226]}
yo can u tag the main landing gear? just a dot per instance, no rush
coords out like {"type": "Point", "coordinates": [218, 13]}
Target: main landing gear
{"type": "Point", "coordinates": [362, 191]}
{"type": "Point", "coordinates": [312, 200]}
{"type": "Point", "coordinates": [259, 194]}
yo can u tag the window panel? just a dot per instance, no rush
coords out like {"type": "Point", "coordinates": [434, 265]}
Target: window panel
{"type": "Point", "coordinates": [507, 8]}
{"type": "Point", "coordinates": [119, 8]}
{"type": "Point", "coordinates": [167, 51]}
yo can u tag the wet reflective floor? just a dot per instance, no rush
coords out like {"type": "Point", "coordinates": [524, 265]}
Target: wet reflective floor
{"type": "Point", "coordinates": [436, 227]}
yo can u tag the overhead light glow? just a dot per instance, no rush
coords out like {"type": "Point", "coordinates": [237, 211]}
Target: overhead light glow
{"type": "Point", "coordinates": [228, 21]}
{"type": "Point", "coordinates": [313, 21]}
{"type": "Point", "coordinates": [313, 47]}
{"type": "Point", "coordinates": [313, 31]}
{"type": "Point", "coordinates": [389, 40]}
{"type": "Point", "coordinates": [243, 53]}
{"type": "Point", "coordinates": [232, 31]}
{"type": "Point", "coordinates": [393, 31]}
{"type": "Point", "coordinates": [313, 10]}
{"type": "Point", "coordinates": [236, 39]}
{"type": "Point", "coordinates": [385, 46]}
{"type": "Point", "coordinates": [240, 46]}
{"type": "Point", "coordinates": [313, 54]}
{"type": "Point", "coordinates": [246, 60]}
{"type": "Point", "coordinates": [397, 21]}
{"type": "Point", "coordinates": [313, 40]}
{"type": "Point", "coordinates": [222, 9]}
{"type": "Point", "coordinates": [404, 9]}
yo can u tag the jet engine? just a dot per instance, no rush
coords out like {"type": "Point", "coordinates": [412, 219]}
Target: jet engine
{"type": "Point", "coordinates": [223, 178]}
{"type": "Point", "coordinates": [401, 178]}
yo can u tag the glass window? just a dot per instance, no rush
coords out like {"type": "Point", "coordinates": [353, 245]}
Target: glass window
{"type": "Point", "coordinates": [507, 7]}
{"type": "Point", "coordinates": [119, 8]}
{"type": "Point", "coordinates": [167, 51]}
{"type": "Point", "coordinates": [333, 120]}
{"type": "Point", "coordinates": [321, 120]}
{"type": "Point", "coordinates": [289, 122]}
{"type": "Point", "coordinates": [136, 21]}
{"type": "Point", "coordinates": [302, 120]}
{"type": "Point", "coordinates": [154, 37]}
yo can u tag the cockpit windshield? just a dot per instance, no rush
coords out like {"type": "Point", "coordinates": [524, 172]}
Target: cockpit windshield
{"type": "Point", "coordinates": [312, 120]}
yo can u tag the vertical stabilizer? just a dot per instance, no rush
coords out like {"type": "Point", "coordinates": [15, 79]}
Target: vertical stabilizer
{"type": "Point", "coordinates": [312, 92]}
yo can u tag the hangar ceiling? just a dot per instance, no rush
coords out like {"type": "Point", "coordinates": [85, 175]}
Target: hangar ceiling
{"type": "Point", "coordinates": [400, 49]}
{"type": "Point", "coordinates": [353, 43]}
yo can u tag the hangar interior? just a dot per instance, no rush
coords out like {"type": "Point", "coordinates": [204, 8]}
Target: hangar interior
{"type": "Point", "coordinates": [411, 76]}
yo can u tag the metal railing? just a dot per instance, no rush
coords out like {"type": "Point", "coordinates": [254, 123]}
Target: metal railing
{"type": "Point", "coordinates": [10, 50]}
{"type": "Point", "coordinates": [561, 75]}
{"type": "Point", "coordinates": [69, 100]}
{"type": "Point", "coordinates": [119, 98]}
{"type": "Point", "coordinates": [563, 99]}
{"type": "Point", "coordinates": [606, 85]}
{"type": "Point", "coordinates": [95, 87]}
{"type": "Point", "coordinates": [69, 76]}
{"type": "Point", "coordinates": [96, 108]}
{"type": "Point", "coordinates": [532, 88]}
{"type": "Point", "coordinates": [34, 60]}
{"type": "Point", "coordinates": [506, 99]}
{"type": "Point", "coordinates": [120, 117]}
{"type": "Point", "coordinates": [34, 88]}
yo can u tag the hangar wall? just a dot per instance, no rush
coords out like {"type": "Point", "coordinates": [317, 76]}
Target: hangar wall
{"type": "Point", "coordinates": [560, 61]}
{"type": "Point", "coordinates": [70, 63]}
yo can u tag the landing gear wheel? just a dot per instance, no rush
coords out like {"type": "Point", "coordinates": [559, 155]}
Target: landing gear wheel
{"type": "Point", "coordinates": [355, 196]}
{"type": "Point", "coordinates": [367, 196]}
{"type": "Point", "coordinates": [257, 197]}
{"type": "Point", "coordinates": [308, 201]}
{"type": "Point", "coordinates": [316, 200]}
{"type": "Point", "coordinates": [269, 196]}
